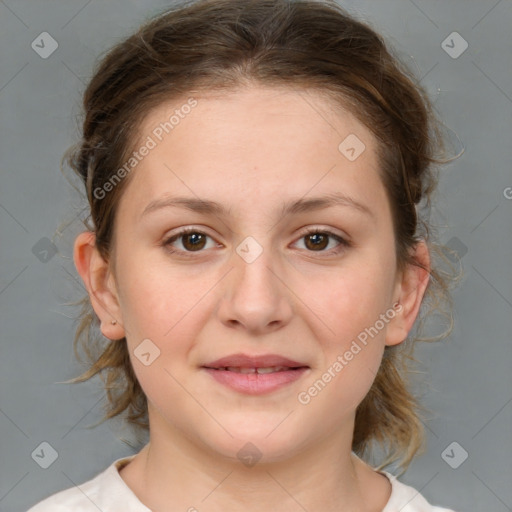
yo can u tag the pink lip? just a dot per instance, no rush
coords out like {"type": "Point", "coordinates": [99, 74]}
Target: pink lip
{"type": "Point", "coordinates": [254, 383]}
{"type": "Point", "coordinates": [245, 361]}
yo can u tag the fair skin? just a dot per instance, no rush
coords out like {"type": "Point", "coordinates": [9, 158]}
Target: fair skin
{"type": "Point", "coordinates": [253, 150]}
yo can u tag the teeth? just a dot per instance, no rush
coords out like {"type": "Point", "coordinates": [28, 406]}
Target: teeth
{"type": "Point", "coordinates": [270, 369]}
{"type": "Point", "coordinates": [240, 370]}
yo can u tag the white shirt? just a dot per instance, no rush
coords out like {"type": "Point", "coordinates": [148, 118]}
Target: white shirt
{"type": "Point", "coordinates": [108, 492]}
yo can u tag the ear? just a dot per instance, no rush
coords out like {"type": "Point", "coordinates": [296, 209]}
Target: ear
{"type": "Point", "coordinates": [409, 291]}
{"type": "Point", "coordinates": [98, 280]}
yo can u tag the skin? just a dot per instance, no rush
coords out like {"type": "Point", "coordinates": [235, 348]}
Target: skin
{"type": "Point", "coordinates": [251, 150]}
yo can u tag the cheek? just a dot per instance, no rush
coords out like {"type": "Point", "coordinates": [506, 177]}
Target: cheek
{"type": "Point", "coordinates": [156, 298]}
{"type": "Point", "coordinates": [162, 319]}
{"type": "Point", "coordinates": [354, 298]}
{"type": "Point", "coordinates": [169, 307]}
{"type": "Point", "coordinates": [352, 304]}
{"type": "Point", "coordinates": [350, 359]}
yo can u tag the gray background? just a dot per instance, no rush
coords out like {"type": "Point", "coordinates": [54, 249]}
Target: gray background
{"type": "Point", "coordinates": [469, 377]}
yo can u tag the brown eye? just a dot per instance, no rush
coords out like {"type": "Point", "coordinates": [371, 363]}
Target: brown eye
{"type": "Point", "coordinates": [191, 240]}
{"type": "Point", "coordinates": [317, 241]}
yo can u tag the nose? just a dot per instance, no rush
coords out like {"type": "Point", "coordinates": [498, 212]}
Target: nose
{"type": "Point", "coordinates": [256, 297]}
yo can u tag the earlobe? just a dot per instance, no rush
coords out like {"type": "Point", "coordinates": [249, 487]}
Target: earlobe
{"type": "Point", "coordinates": [95, 274]}
{"type": "Point", "coordinates": [411, 287]}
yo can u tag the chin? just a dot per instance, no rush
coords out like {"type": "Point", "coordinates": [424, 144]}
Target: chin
{"type": "Point", "coordinates": [253, 438]}
{"type": "Point", "coordinates": [249, 451]}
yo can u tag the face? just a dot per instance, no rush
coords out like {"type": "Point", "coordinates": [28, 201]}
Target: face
{"type": "Point", "coordinates": [249, 279]}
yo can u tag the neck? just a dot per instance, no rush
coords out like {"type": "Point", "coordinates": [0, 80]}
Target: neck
{"type": "Point", "coordinates": [327, 476]}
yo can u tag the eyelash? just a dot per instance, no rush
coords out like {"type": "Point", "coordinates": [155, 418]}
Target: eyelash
{"type": "Point", "coordinates": [343, 244]}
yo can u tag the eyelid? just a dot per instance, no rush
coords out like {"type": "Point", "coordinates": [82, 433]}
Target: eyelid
{"type": "Point", "coordinates": [324, 229]}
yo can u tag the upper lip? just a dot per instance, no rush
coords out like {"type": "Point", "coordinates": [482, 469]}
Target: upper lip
{"type": "Point", "coordinates": [246, 361]}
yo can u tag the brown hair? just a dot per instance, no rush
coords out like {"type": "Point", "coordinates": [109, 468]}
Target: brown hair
{"type": "Point", "coordinates": [224, 44]}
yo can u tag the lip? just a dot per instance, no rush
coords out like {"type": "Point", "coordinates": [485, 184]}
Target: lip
{"type": "Point", "coordinates": [261, 361]}
{"type": "Point", "coordinates": [254, 383]}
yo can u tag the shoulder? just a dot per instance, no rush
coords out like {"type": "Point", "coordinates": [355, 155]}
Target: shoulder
{"type": "Point", "coordinates": [407, 499]}
{"type": "Point", "coordinates": [79, 498]}
{"type": "Point", "coordinates": [103, 492]}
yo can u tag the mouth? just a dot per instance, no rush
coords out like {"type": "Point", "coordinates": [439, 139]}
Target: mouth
{"type": "Point", "coordinates": [255, 375]}
{"type": "Point", "coordinates": [258, 370]}
{"type": "Point", "coordinates": [270, 362]}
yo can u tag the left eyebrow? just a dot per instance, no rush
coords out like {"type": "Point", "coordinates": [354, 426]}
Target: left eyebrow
{"type": "Point", "coordinates": [290, 207]}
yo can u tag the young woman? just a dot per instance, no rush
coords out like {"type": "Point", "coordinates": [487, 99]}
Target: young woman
{"type": "Point", "coordinates": [255, 259]}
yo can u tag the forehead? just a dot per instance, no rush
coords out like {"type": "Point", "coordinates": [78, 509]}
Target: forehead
{"type": "Point", "coordinates": [255, 144]}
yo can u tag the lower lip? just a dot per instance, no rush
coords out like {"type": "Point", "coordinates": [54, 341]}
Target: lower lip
{"type": "Point", "coordinates": [255, 383]}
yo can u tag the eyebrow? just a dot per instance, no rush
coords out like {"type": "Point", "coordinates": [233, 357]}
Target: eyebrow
{"type": "Point", "coordinates": [290, 207]}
